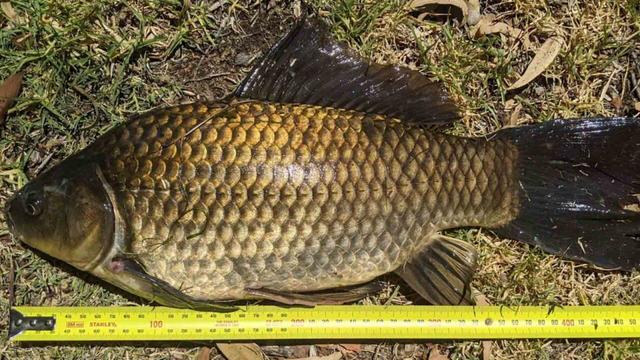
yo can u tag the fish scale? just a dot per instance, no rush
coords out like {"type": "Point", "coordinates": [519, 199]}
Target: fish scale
{"type": "Point", "coordinates": [293, 197]}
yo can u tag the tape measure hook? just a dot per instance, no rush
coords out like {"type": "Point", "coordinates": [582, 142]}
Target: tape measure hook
{"type": "Point", "coordinates": [19, 323]}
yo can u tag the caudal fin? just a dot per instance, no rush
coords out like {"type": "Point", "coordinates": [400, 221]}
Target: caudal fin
{"type": "Point", "coordinates": [579, 187]}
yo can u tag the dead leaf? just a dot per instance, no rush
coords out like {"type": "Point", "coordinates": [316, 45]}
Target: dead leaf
{"type": "Point", "coordinates": [512, 109]}
{"type": "Point", "coordinates": [8, 11]}
{"type": "Point", "coordinates": [11, 14]}
{"type": "Point", "coordinates": [487, 25]}
{"type": "Point", "coordinates": [637, 106]}
{"type": "Point", "coordinates": [541, 61]}
{"type": "Point", "coordinates": [486, 345]}
{"type": "Point", "coordinates": [241, 351]}
{"type": "Point", "coordinates": [435, 354]}
{"type": "Point", "coordinates": [352, 347]}
{"type": "Point", "coordinates": [335, 356]}
{"type": "Point", "coordinates": [460, 4]}
{"type": "Point", "coordinates": [298, 351]}
{"type": "Point", "coordinates": [204, 353]}
{"type": "Point", "coordinates": [474, 12]}
{"type": "Point", "coordinates": [8, 92]}
{"type": "Point", "coordinates": [632, 207]}
{"type": "Point", "coordinates": [617, 103]}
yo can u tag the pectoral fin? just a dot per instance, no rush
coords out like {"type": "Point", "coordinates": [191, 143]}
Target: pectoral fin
{"type": "Point", "coordinates": [308, 66]}
{"type": "Point", "coordinates": [442, 271]}
{"type": "Point", "coordinates": [132, 276]}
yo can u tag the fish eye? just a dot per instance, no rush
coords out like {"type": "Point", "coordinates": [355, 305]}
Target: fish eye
{"type": "Point", "coordinates": [33, 204]}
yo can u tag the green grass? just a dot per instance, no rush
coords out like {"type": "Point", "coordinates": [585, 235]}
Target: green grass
{"type": "Point", "coordinates": [90, 65]}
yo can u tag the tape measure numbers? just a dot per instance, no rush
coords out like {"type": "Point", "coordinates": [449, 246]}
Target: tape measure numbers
{"type": "Point", "coordinates": [323, 322]}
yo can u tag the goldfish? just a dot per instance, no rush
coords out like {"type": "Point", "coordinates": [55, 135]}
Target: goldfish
{"type": "Point", "coordinates": [319, 174]}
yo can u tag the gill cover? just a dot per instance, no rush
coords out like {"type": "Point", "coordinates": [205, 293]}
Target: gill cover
{"type": "Point", "coordinates": [65, 213]}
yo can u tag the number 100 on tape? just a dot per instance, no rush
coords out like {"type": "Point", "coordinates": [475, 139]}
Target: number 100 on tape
{"type": "Point", "coordinates": [323, 322]}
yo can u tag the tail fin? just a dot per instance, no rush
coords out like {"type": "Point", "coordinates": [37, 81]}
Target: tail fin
{"type": "Point", "coordinates": [579, 190]}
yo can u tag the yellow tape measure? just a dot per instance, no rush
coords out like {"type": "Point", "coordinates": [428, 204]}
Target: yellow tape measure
{"type": "Point", "coordinates": [323, 322]}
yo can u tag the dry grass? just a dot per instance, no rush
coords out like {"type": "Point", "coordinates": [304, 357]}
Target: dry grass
{"type": "Point", "coordinates": [89, 65]}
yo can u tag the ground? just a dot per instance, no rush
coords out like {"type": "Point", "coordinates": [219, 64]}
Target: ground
{"type": "Point", "coordinates": [90, 65]}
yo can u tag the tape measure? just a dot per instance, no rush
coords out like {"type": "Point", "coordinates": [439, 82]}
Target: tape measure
{"type": "Point", "coordinates": [323, 322]}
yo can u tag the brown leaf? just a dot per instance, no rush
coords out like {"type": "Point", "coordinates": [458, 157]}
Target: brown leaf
{"type": "Point", "coordinates": [8, 92]}
{"type": "Point", "coordinates": [474, 11]}
{"type": "Point", "coordinates": [460, 4]}
{"type": "Point", "coordinates": [352, 347]}
{"type": "Point", "coordinates": [486, 345]}
{"type": "Point", "coordinates": [241, 351]}
{"type": "Point", "coordinates": [298, 351]}
{"type": "Point", "coordinates": [435, 354]}
{"type": "Point", "coordinates": [617, 103]}
{"type": "Point", "coordinates": [544, 57]}
{"type": "Point", "coordinates": [11, 14]}
{"type": "Point", "coordinates": [637, 106]}
{"type": "Point", "coordinates": [512, 110]}
{"type": "Point", "coordinates": [335, 356]}
{"type": "Point", "coordinates": [204, 353]}
{"type": "Point", "coordinates": [8, 11]}
{"type": "Point", "coordinates": [486, 350]}
{"type": "Point", "coordinates": [487, 25]}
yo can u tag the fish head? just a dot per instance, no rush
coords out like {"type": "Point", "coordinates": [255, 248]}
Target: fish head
{"type": "Point", "coordinates": [65, 213]}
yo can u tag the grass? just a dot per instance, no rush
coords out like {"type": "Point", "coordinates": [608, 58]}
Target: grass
{"type": "Point", "coordinates": [90, 65]}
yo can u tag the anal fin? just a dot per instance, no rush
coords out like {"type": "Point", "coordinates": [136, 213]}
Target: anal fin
{"type": "Point", "coordinates": [442, 271]}
{"type": "Point", "coordinates": [330, 297]}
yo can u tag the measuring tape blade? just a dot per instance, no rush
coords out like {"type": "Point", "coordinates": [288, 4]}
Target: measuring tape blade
{"type": "Point", "coordinates": [353, 322]}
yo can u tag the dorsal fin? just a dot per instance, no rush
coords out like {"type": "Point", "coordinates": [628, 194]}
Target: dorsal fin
{"type": "Point", "coordinates": [308, 66]}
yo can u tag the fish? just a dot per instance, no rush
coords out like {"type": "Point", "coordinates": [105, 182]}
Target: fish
{"type": "Point", "coordinates": [320, 173]}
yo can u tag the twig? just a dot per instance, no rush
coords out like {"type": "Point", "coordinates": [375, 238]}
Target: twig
{"type": "Point", "coordinates": [635, 84]}
{"type": "Point", "coordinates": [634, 80]}
{"type": "Point", "coordinates": [43, 164]}
{"type": "Point", "coordinates": [393, 295]}
{"type": "Point", "coordinates": [96, 107]}
{"type": "Point", "coordinates": [210, 76]}
{"type": "Point", "coordinates": [375, 354]}
{"type": "Point", "coordinates": [11, 280]}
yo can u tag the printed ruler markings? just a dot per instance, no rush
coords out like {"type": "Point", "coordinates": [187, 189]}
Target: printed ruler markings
{"type": "Point", "coordinates": [323, 322]}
